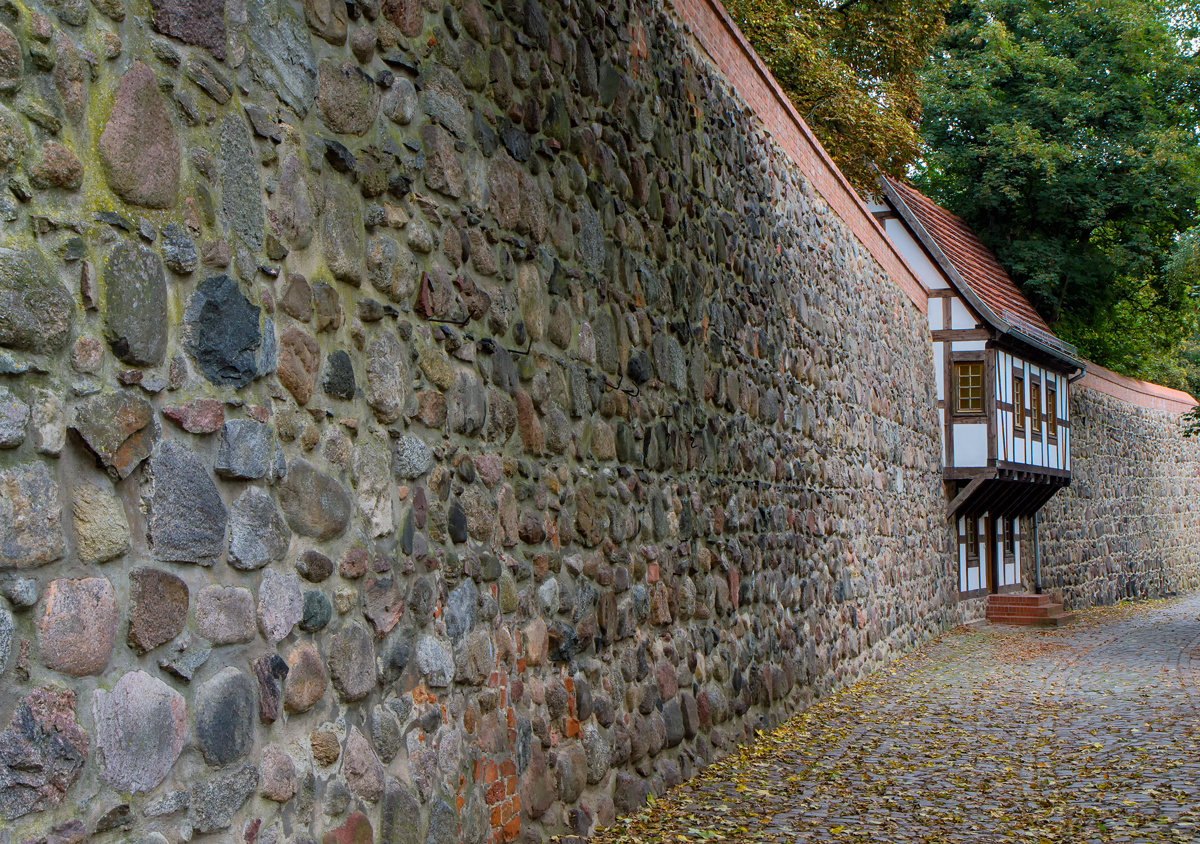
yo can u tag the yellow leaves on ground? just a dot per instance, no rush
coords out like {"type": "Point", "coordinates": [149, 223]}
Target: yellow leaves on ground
{"type": "Point", "coordinates": [1051, 737]}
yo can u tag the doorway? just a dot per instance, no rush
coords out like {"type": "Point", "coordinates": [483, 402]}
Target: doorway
{"type": "Point", "coordinates": [990, 559]}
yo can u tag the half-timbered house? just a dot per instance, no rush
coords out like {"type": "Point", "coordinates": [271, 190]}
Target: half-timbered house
{"type": "Point", "coordinates": [1002, 387]}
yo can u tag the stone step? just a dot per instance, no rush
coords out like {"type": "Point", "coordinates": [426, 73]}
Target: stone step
{"type": "Point", "coordinates": [1021, 599]}
{"type": "Point", "coordinates": [1025, 612]}
{"type": "Point", "coordinates": [1026, 609]}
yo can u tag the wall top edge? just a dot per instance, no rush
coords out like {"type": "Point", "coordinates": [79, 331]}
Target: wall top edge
{"type": "Point", "coordinates": [1140, 393]}
{"type": "Point", "coordinates": [710, 23]}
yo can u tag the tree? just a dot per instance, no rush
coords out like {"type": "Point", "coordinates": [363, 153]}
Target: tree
{"type": "Point", "coordinates": [1065, 134]}
{"type": "Point", "coordinates": [851, 68]}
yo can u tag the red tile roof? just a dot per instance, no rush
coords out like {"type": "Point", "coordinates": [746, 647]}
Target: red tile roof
{"type": "Point", "coordinates": [974, 262]}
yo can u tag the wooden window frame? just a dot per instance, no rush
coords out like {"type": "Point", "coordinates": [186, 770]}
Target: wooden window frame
{"type": "Point", "coordinates": [955, 401]}
{"type": "Point", "coordinates": [1018, 407]}
{"type": "Point", "coordinates": [1035, 408]}
{"type": "Point", "coordinates": [1052, 410]}
{"type": "Point", "coordinates": [1010, 538]}
{"type": "Point", "coordinates": [972, 537]}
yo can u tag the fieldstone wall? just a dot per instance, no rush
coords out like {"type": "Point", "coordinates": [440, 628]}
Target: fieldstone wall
{"type": "Point", "coordinates": [1128, 526]}
{"type": "Point", "coordinates": [424, 422]}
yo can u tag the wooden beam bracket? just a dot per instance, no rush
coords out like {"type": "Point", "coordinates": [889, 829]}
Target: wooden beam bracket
{"type": "Point", "coordinates": [967, 491]}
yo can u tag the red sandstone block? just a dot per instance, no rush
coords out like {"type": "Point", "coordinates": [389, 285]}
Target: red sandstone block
{"type": "Point", "coordinates": [511, 786]}
{"type": "Point", "coordinates": [490, 774]}
{"type": "Point", "coordinates": [508, 768]}
{"type": "Point", "coordinates": [512, 829]}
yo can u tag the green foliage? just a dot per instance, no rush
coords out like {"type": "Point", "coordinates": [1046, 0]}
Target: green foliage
{"type": "Point", "coordinates": [1065, 133]}
{"type": "Point", "coordinates": [851, 69]}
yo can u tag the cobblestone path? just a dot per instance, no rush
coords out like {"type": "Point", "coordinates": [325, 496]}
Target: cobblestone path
{"type": "Point", "coordinates": [1087, 733]}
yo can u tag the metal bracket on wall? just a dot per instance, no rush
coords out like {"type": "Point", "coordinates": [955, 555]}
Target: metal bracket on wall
{"type": "Point", "coordinates": [636, 392]}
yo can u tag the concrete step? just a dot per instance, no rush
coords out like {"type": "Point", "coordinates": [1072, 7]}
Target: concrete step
{"type": "Point", "coordinates": [1060, 619]}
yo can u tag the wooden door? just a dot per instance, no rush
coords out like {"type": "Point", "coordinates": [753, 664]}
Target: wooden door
{"type": "Point", "coordinates": [991, 564]}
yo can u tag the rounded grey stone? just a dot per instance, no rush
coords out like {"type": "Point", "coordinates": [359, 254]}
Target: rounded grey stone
{"type": "Point", "coordinates": [352, 663]}
{"type": "Point", "coordinates": [225, 717]}
{"type": "Point", "coordinates": [282, 57]}
{"type": "Point", "coordinates": [179, 252]}
{"type": "Point", "coordinates": [314, 504]}
{"type": "Point", "coordinates": [222, 332]}
{"type": "Point", "coordinates": [6, 637]}
{"type": "Point", "coordinates": [31, 531]}
{"type": "Point", "coordinates": [14, 416]}
{"type": "Point", "coordinates": [22, 592]}
{"type": "Point", "coordinates": [400, 101]}
{"type": "Point", "coordinates": [280, 604]}
{"type": "Point", "coordinates": [141, 726]}
{"type": "Point", "coordinates": [466, 403]}
{"type": "Point", "coordinates": [186, 514]}
{"type": "Point", "coordinates": [135, 305]}
{"type": "Point", "coordinates": [413, 458]}
{"type": "Point", "coordinates": [212, 803]}
{"type": "Point", "coordinates": [317, 611]}
{"type": "Point", "coordinates": [36, 312]}
{"type": "Point", "coordinates": [246, 450]}
{"type": "Point", "coordinates": [339, 376]}
{"type": "Point", "coordinates": [241, 191]}
{"type": "Point", "coordinates": [258, 535]}
{"type": "Point", "coordinates": [461, 610]}
{"type": "Point", "coordinates": [443, 824]}
{"type": "Point", "coordinates": [435, 659]}
{"type": "Point", "coordinates": [225, 614]}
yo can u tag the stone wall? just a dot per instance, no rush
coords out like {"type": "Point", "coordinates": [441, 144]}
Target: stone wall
{"type": "Point", "coordinates": [426, 422]}
{"type": "Point", "coordinates": [1129, 524]}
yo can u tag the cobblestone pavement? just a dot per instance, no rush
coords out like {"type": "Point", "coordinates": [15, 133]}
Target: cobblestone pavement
{"type": "Point", "coordinates": [1088, 733]}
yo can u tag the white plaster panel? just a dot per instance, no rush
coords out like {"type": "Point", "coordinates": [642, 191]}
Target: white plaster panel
{"type": "Point", "coordinates": [942, 434]}
{"type": "Point", "coordinates": [970, 444]}
{"type": "Point", "coordinates": [935, 313]}
{"type": "Point", "coordinates": [960, 315]}
{"type": "Point", "coordinates": [915, 255]}
{"type": "Point", "coordinates": [939, 368]}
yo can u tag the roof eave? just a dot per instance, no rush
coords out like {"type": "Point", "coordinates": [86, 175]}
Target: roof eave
{"type": "Point", "coordinates": [960, 284]}
{"type": "Point", "coordinates": [1046, 348]}
{"type": "Point", "coordinates": [939, 257]}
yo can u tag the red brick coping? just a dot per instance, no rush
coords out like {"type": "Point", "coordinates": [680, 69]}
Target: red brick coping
{"type": "Point", "coordinates": [736, 60]}
{"type": "Point", "coordinates": [1133, 391]}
